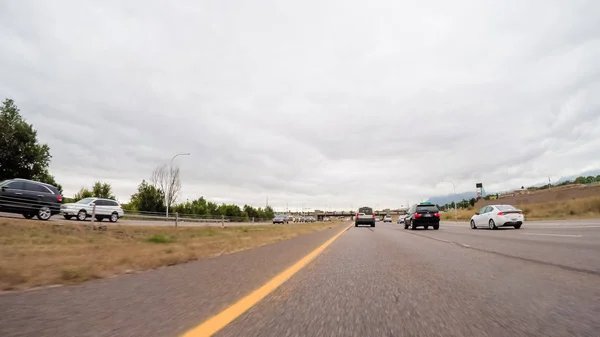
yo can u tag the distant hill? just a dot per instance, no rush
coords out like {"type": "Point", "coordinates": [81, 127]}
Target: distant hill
{"type": "Point", "coordinates": [444, 199]}
{"type": "Point", "coordinates": [593, 173]}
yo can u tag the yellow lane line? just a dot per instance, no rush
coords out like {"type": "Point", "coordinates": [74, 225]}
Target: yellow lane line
{"type": "Point", "coordinates": [219, 321]}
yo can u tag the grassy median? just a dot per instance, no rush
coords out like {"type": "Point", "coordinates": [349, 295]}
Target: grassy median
{"type": "Point", "coordinates": [34, 253]}
{"type": "Point", "coordinates": [584, 208]}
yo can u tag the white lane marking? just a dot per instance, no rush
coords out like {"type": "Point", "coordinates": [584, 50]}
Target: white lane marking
{"type": "Point", "coordinates": [462, 244]}
{"type": "Point", "coordinates": [566, 235]}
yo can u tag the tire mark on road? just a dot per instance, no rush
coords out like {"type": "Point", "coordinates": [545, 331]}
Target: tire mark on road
{"type": "Point", "coordinates": [526, 259]}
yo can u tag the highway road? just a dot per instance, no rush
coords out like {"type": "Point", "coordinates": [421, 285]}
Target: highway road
{"type": "Point", "coordinates": [541, 280]}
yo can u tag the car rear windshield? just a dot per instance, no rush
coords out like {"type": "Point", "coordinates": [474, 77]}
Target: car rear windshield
{"type": "Point", "coordinates": [427, 208]}
{"type": "Point", "coordinates": [506, 208]}
{"type": "Point", "coordinates": [366, 210]}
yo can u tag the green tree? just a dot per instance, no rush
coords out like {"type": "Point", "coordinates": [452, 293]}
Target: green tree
{"type": "Point", "coordinates": [598, 178]}
{"type": "Point", "coordinates": [102, 190]}
{"type": "Point", "coordinates": [21, 155]}
{"type": "Point", "coordinates": [148, 198]}
{"type": "Point", "coordinates": [589, 179]}
{"type": "Point", "coordinates": [269, 212]}
{"type": "Point", "coordinates": [82, 194]}
{"type": "Point", "coordinates": [580, 180]}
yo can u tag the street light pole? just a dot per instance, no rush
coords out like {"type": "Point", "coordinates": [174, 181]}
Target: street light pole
{"type": "Point", "coordinates": [455, 206]}
{"type": "Point", "coordinates": [168, 192]}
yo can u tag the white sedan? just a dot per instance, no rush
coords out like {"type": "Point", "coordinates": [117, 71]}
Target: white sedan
{"type": "Point", "coordinates": [494, 216]}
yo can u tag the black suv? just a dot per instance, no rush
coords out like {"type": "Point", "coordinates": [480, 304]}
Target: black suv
{"type": "Point", "coordinates": [424, 214]}
{"type": "Point", "coordinates": [30, 198]}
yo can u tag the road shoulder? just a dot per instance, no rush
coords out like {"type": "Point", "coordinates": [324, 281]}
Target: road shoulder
{"type": "Point", "coordinates": [167, 301]}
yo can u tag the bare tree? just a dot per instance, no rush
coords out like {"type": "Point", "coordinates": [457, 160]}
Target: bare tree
{"type": "Point", "coordinates": [166, 178]}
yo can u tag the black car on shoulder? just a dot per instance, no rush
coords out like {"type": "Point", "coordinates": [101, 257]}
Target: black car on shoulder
{"type": "Point", "coordinates": [30, 198]}
{"type": "Point", "coordinates": [424, 215]}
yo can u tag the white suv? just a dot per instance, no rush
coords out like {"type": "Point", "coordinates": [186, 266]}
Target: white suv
{"type": "Point", "coordinates": [83, 209]}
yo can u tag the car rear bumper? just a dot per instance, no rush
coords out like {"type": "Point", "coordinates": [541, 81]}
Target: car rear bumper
{"type": "Point", "coordinates": [512, 223]}
{"type": "Point", "coordinates": [364, 221]}
{"type": "Point", "coordinates": [426, 221]}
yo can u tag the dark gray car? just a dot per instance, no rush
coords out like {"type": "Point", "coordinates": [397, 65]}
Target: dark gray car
{"type": "Point", "coordinates": [281, 218]}
{"type": "Point", "coordinates": [30, 198]}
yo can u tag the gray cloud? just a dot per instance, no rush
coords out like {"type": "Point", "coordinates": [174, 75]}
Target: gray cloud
{"type": "Point", "coordinates": [321, 104]}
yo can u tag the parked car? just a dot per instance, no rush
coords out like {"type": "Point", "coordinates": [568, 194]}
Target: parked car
{"type": "Point", "coordinates": [494, 216]}
{"type": "Point", "coordinates": [30, 198]}
{"type": "Point", "coordinates": [424, 214]}
{"type": "Point", "coordinates": [84, 208]}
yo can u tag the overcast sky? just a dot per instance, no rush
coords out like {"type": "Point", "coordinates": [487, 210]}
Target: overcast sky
{"type": "Point", "coordinates": [318, 103]}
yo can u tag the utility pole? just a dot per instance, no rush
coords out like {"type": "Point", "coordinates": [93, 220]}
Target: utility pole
{"type": "Point", "coordinates": [455, 205]}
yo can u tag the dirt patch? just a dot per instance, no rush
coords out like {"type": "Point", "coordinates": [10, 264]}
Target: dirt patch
{"type": "Point", "coordinates": [34, 253]}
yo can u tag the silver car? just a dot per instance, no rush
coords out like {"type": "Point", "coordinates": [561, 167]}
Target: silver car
{"type": "Point", "coordinates": [84, 208]}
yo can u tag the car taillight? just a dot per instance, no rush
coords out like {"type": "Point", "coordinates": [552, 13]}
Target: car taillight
{"type": "Point", "coordinates": [373, 215]}
{"type": "Point", "coordinates": [500, 213]}
{"type": "Point", "coordinates": [437, 215]}
{"type": "Point", "coordinates": [357, 215]}
{"type": "Point", "coordinates": [59, 198]}
{"type": "Point", "coordinates": [417, 215]}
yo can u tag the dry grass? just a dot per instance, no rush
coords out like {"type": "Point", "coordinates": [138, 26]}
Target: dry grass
{"type": "Point", "coordinates": [584, 208]}
{"type": "Point", "coordinates": [35, 254]}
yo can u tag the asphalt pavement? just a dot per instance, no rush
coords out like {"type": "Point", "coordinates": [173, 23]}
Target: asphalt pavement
{"type": "Point", "coordinates": [387, 281]}
{"type": "Point", "coordinates": [540, 280]}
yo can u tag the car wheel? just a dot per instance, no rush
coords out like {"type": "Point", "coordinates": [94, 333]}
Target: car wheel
{"type": "Point", "coordinates": [492, 224]}
{"type": "Point", "coordinates": [28, 215]}
{"type": "Point", "coordinates": [82, 215]}
{"type": "Point", "coordinates": [44, 213]}
{"type": "Point", "coordinates": [355, 224]}
{"type": "Point", "coordinates": [413, 227]}
{"type": "Point", "coordinates": [372, 225]}
{"type": "Point", "coordinates": [436, 227]}
{"type": "Point", "coordinates": [426, 227]}
{"type": "Point", "coordinates": [405, 226]}
{"type": "Point", "coordinates": [67, 217]}
{"type": "Point", "coordinates": [517, 226]}
{"type": "Point", "coordinates": [114, 217]}
{"type": "Point", "coordinates": [473, 225]}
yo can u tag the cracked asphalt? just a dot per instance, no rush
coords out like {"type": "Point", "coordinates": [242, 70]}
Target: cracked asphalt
{"type": "Point", "coordinates": [541, 280]}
